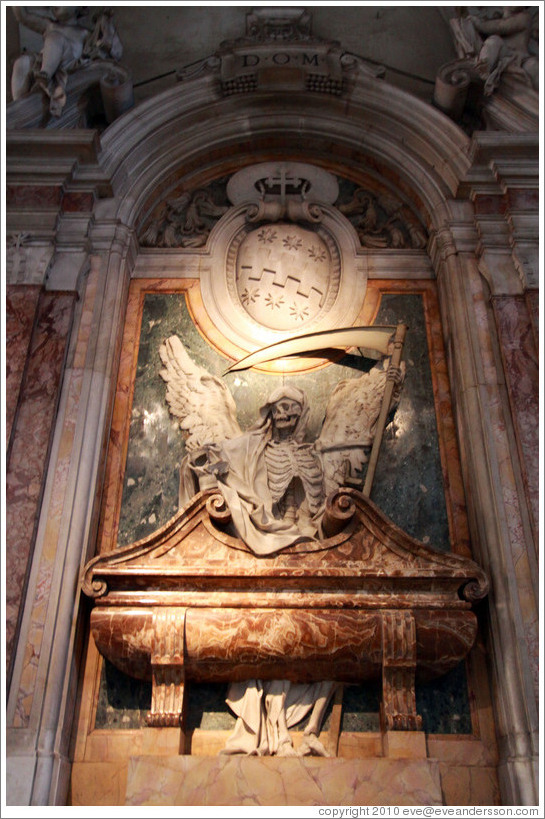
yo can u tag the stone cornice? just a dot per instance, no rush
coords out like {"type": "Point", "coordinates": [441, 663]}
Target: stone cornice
{"type": "Point", "coordinates": [82, 144]}
{"type": "Point", "coordinates": [508, 154]}
{"type": "Point", "coordinates": [56, 157]}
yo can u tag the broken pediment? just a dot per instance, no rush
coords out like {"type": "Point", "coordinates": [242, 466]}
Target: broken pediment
{"type": "Point", "coordinates": [363, 544]}
{"type": "Point", "coordinates": [192, 602]}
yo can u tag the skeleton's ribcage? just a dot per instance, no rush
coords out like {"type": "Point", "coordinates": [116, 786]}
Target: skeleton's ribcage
{"type": "Point", "coordinates": [288, 460]}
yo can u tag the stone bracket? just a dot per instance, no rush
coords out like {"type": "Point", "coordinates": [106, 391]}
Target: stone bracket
{"type": "Point", "coordinates": [167, 667]}
{"type": "Point", "coordinates": [398, 708]}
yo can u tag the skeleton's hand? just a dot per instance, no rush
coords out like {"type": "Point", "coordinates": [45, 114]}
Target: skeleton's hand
{"type": "Point", "coordinates": [206, 466]}
{"type": "Point", "coordinates": [218, 468]}
{"type": "Point", "coordinates": [395, 374]}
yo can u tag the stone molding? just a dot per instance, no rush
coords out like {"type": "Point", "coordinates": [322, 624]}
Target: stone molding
{"type": "Point", "coordinates": [427, 136]}
{"type": "Point", "coordinates": [502, 184]}
{"type": "Point", "coordinates": [113, 81]}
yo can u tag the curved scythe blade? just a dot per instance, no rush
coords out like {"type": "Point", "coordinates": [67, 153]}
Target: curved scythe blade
{"type": "Point", "coordinates": [372, 340]}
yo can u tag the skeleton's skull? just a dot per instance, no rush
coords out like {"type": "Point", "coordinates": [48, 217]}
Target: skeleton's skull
{"type": "Point", "coordinates": [285, 415]}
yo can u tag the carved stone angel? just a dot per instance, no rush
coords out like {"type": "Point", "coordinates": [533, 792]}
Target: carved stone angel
{"type": "Point", "coordinates": [274, 481]}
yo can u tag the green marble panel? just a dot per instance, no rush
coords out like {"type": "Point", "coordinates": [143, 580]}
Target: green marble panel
{"type": "Point", "coordinates": [443, 704]}
{"type": "Point", "coordinates": [206, 708]}
{"type": "Point", "coordinates": [123, 702]}
{"type": "Point", "coordinates": [408, 483]}
{"type": "Point", "coordinates": [408, 486]}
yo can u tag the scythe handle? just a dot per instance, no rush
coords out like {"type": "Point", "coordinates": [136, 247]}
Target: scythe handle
{"type": "Point", "coordinates": [395, 360]}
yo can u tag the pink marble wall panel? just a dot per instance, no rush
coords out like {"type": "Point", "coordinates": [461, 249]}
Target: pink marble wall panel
{"type": "Point", "coordinates": [532, 302]}
{"type": "Point", "coordinates": [489, 205]}
{"type": "Point", "coordinates": [523, 199]}
{"type": "Point", "coordinates": [40, 196]}
{"type": "Point", "coordinates": [61, 474]}
{"type": "Point", "coordinates": [21, 302]}
{"type": "Point", "coordinates": [249, 781]}
{"type": "Point", "coordinates": [512, 518]}
{"type": "Point", "coordinates": [520, 363]}
{"type": "Point", "coordinates": [77, 202]}
{"type": "Point", "coordinates": [31, 435]}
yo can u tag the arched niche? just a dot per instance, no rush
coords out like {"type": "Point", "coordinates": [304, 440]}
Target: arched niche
{"type": "Point", "coordinates": [376, 131]}
{"type": "Point", "coordinates": [188, 130]}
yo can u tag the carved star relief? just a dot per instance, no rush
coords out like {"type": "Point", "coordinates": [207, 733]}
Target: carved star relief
{"type": "Point", "coordinates": [273, 301]}
{"type": "Point", "coordinates": [292, 242]}
{"type": "Point", "coordinates": [266, 235]}
{"type": "Point", "coordinates": [316, 253]}
{"type": "Point", "coordinates": [249, 296]}
{"type": "Point", "coordinates": [297, 312]}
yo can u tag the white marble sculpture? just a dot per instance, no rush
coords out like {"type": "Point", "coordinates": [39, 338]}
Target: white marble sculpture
{"type": "Point", "coordinates": [274, 481]}
{"type": "Point", "coordinates": [267, 709]}
{"type": "Point", "coordinates": [499, 39]}
{"type": "Point", "coordinates": [71, 39]}
{"type": "Point", "coordinates": [275, 484]}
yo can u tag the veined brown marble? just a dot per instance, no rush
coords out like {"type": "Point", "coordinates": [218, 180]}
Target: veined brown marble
{"type": "Point", "coordinates": [206, 579]}
{"type": "Point", "coordinates": [368, 600]}
{"type": "Point", "coordinates": [34, 196]}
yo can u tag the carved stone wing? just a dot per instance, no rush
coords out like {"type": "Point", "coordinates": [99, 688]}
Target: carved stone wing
{"type": "Point", "coordinates": [350, 423]}
{"type": "Point", "coordinates": [201, 401]}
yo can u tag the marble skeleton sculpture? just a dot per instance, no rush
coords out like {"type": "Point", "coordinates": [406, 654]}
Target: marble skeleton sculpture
{"type": "Point", "coordinates": [275, 485]}
{"type": "Point", "coordinates": [70, 40]}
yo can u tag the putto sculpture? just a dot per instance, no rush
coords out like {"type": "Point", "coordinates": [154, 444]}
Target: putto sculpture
{"type": "Point", "coordinates": [499, 39]}
{"type": "Point", "coordinates": [72, 38]}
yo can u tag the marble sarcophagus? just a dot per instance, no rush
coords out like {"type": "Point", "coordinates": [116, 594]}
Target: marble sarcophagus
{"type": "Point", "coordinates": [192, 602]}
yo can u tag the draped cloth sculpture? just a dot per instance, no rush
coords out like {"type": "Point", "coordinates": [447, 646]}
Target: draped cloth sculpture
{"type": "Point", "coordinates": [71, 39]}
{"type": "Point", "coordinates": [499, 41]}
{"type": "Point", "coordinates": [275, 485]}
{"type": "Point", "coordinates": [266, 710]}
